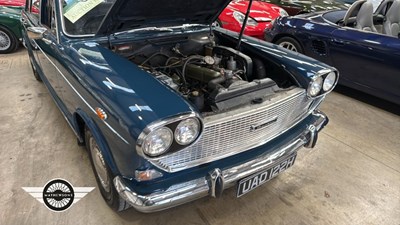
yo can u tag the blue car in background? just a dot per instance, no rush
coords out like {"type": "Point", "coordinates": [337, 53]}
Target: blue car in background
{"type": "Point", "coordinates": [362, 43]}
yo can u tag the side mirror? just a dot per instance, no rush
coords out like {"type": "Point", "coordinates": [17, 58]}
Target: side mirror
{"type": "Point", "coordinates": [36, 32]}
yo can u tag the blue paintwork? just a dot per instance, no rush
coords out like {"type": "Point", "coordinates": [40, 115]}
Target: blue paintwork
{"type": "Point", "coordinates": [300, 66]}
{"type": "Point", "coordinates": [82, 74]}
{"type": "Point", "coordinates": [366, 61]}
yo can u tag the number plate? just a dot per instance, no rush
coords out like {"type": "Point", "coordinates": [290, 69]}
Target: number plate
{"type": "Point", "coordinates": [250, 183]}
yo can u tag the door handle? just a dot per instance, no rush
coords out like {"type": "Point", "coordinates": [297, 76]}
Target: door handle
{"type": "Point", "coordinates": [338, 41]}
{"type": "Point", "coordinates": [47, 41]}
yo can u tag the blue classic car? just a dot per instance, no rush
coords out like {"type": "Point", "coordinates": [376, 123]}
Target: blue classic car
{"type": "Point", "coordinates": [170, 108]}
{"type": "Point", "coordinates": [364, 46]}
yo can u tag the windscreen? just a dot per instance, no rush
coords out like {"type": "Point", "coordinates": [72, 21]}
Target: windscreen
{"type": "Point", "coordinates": [82, 17]}
{"type": "Point", "coordinates": [376, 3]}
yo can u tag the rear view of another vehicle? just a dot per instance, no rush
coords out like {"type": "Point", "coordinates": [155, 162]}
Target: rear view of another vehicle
{"type": "Point", "coordinates": [260, 17]}
{"type": "Point", "coordinates": [10, 29]}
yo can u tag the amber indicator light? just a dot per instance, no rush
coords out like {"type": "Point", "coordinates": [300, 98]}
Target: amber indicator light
{"type": "Point", "coordinates": [101, 114]}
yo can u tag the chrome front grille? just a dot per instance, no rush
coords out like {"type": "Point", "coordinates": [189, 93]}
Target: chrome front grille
{"type": "Point", "coordinates": [231, 133]}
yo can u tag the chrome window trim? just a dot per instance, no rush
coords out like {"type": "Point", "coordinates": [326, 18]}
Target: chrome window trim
{"type": "Point", "coordinates": [63, 25]}
{"type": "Point", "coordinates": [56, 20]}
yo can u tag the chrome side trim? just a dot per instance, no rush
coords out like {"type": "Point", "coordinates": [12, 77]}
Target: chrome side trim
{"type": "Point", "coordinates": [80, 96]}
{"type": "Point", "coordinates": [191, 190]}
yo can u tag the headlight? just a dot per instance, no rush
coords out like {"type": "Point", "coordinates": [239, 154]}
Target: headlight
{"type": "Point", "coordinates": [282, 12]}
{"type": "Point", "coordinates": [169, 135]}
{"type": "Point", "coordinates": [315, 86]}
{"type": "Point", "coordinates": [187, 131]}
{"type": "Point", "coordinates": [329, 81]}
{"type": "Point", "coordinates": [240, 18]}
{"type": "Point", "coordinates": [158, 141]}
{"type": "Point", "coordinates": [322, 83]}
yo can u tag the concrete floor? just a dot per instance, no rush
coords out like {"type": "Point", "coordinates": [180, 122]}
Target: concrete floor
{"type": "Point", "coordinates": [351, 177]}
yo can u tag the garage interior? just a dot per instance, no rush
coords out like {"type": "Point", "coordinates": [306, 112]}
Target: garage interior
{"type": "Point", "coordinates": [351, 177]}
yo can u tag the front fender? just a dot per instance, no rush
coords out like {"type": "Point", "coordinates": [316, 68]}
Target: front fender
{"type": "Point", "coordinates": [98, 136]}
{"type": "Point", "coordinates": [301, 67]}
{"type": "Point", "coordinates": [131, 98]}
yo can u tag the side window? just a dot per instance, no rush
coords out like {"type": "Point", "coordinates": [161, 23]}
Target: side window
{"type": "Point", "coordinates": [48, 17]}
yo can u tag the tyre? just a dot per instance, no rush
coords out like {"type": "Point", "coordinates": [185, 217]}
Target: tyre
{"type": "Point", "coordinates": [290, 43]}
{"type": "Point", "coordinates": [103, 174]}
{"type": "Point", "coordinates": [8, 41]}
{"type": "Point", "coordinates": [35, 73]}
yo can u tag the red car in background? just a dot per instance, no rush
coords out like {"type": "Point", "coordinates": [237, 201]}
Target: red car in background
{"type": "Point", "coordinates": [20, 4]}
{"type": "Point", "coordinates": [261, 15]}
{"type": "Point", "coordinates": [13, 3]}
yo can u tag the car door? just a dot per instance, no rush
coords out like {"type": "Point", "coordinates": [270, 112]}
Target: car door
{"type": "Point", "coordinates": [49, 46]}
{"type": "Point", "coordinates": [367, 61]}
{"type": "Point", "coordinates": [30, 18]}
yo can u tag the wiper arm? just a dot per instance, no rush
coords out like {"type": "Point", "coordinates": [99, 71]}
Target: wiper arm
{"type": "Point", "coordinates": [162, 29]}
{"type": "Point", "coordinates": [185, 26]}
{"type": "Point", "coordinates": [146, 29]}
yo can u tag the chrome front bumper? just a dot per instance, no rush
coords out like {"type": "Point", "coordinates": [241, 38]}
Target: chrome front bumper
{"type": "Point", "coordinates": [218, 180]}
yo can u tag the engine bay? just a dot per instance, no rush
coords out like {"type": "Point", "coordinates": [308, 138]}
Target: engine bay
{"type": "Point", "coordinates": [213, 77]}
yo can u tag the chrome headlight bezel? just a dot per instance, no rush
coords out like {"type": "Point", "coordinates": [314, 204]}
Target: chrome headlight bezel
{"type": "Point", "coordinates": [171, 124]}
{"type": "Point", "coordinates": [315, 86]}
{"type": "Point", "coordinates": [329, 82]}
{"type": "Point", "coordinates": [320, 79]}
{"type": "Point", "coordinates": [190, 125]}
{"type": "Point", "coordinates": [164, 134]}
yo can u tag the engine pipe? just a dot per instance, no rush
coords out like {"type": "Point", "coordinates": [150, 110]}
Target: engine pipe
{"type": "Point", "coordinates": [214, 83]}
{"type": "Point", "coordinates": [244, 25]}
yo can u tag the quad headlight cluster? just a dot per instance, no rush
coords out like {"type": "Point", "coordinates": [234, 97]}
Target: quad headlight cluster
{"type": "Point", "coordinates": [323, 82]}
{"type": "Point", "coordinates": [170, 135]}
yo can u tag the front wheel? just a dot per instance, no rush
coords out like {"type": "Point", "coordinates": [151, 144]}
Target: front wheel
{"type": "Point", "coordinates": [290, 43]}
{"type": "Point", "coordinates": [103, 175]}
{"type": "Point", "coordinates": [8, 41]}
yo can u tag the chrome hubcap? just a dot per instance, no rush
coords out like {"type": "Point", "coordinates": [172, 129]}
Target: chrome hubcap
{"type": "Point", "coordinates": [99, 164]}
{"type": "Point", "coordinates": [5, 41]}
{"type": "Point", "coordinates": [288, 45]}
